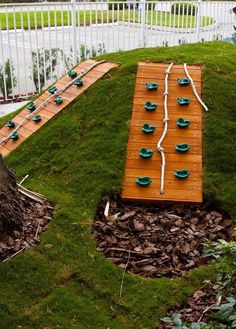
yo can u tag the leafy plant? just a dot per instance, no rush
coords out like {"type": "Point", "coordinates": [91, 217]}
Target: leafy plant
{"type": "Point", "coordinates": [220, 249]}
{"type": "Point", "coordinates": [7, 78]}
{"type": "Point", "coordinates": [44, 63]}
{"type": "Point", "coordinates": [224, 315]}
{"type": "Point", "coordinates": [83, 53]}
{"type": "Point", "coordinates": [226, 279]}
{"type": "Point", "coordinates": [176, 322]}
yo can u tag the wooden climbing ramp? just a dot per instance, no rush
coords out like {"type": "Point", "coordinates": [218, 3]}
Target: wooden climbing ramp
{"type": "Point", "coordinates": [50, 108]}
{"type": "Point", "coordinates": [175, 189]}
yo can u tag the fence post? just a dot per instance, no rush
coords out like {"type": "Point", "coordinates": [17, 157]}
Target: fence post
{"type": "Point", "coordinates": [198, 21]}
{"type": "Point", "coordinates": [142, 21]}
{"type": "Point", "coordinates": [74, 41]}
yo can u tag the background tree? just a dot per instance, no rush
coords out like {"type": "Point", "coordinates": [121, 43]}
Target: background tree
{"type": "Point", "coordinates": [11, 211]}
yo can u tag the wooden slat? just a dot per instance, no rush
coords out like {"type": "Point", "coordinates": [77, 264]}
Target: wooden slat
{"type": "Point", "coordinates": [51, 109]}
{"type": "Point", "coordinates": [189, 190]}
{"type": "Point", "coordinates": [154, 138]}
{"type": "Point", "coordinates": [170, 166]}
{"type": "Point", "coordinates": [155, 173]}
{"type": "Point", "coordinates": [191, 185]}
{"type": "Point", "coordinates": [136, 147]}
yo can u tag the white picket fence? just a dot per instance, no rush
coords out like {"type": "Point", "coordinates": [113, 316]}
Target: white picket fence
{"type": "Point", "coordinates": [41, 41]}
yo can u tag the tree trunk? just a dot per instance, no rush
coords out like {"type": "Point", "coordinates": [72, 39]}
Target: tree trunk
{"type": "Point", "coordinates": [11, 211]}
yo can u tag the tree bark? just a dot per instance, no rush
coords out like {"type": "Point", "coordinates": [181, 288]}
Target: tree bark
{"type": "Point", "coordinates": [11, 210]}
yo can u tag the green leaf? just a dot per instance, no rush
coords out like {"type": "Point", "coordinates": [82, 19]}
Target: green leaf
{"type": "Point", "coordinates": [166, 319]}
{"type": "Point", "coordinates": [176, 319]}
{"type": "Point", "coordinates": [231, 300]}
{"type": "Point", "coordinates": [177, 327]}
{"type": "Point", "coordinates": [177, 322]}
{"type": "Point", "coordinates": [195, 325]}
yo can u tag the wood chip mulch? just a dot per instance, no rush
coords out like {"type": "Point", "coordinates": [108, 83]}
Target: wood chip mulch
{"type": "Point", "coordinates": [197, 307]}
{"type": "Point", "coordinates": [160, 240]}
{"type": "Point", "coordinates": [36, 217]}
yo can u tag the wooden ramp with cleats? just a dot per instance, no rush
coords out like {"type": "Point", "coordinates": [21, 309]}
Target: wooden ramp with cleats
{"type": "Point", "coordinates": [176, 189]}
{"type": "Point", "coordinates": [51, 109]}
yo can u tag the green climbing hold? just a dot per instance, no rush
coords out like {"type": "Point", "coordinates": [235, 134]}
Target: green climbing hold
{"type": "Point", "coordinates": [52, 90]}
{"type": "Point", "coordinates": [31, 107]}
{"type": "Point", "coordinates": [183, 101]}
{"type": "Point", "coordinates": [72, 74]}
{"type": "Point", "coordinates": [152, 86]}
{"type": "Point", "coordinates": [14, 136]}
{"type": "Point", "coordinates": [182, 174]}
{"type": "Point", "coordinates": [143, 181]}
{"type": "Point", "coordinates": [150, 107]}
{"type": "Point", "coordinates": [10, 124]}
{"type": "Point", "coordinates": [182, 123]}
{"type": "Point", "coordinates": [145, 154]}
{"type": "Point", "coordinates": [182, 147]}
{"type": "Point", "coordinates": [148, 129]}
{"type": "Point", "coordinates": [58, 100]}
{"type": "Point", "coordinates": [78, 82]}
{"type": "Point", "coordinates": [183, 81]}
{"type": "Point", "coordinates": [37, 118]}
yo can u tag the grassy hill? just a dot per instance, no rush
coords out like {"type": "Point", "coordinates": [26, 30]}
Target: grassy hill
{"type": "Point", "coordinates": [78, 157]}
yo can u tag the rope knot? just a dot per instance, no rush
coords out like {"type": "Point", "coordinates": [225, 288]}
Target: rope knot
{"type": "Point", "coordinates": [165, 119]}
{"type": "Point", "coordinates": [160, 149]}
{"type": "Point", "coordinates": [167, 72]}
{"type": "Point", "coordinates": [166, 93]}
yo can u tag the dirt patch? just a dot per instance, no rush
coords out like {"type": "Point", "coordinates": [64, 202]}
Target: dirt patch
{"type": "Point", "coordinates": [36, 216]}
{"type": "Point", "coordinates": [160, 240]}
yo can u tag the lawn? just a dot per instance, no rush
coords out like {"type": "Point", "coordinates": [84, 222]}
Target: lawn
{"type": "Point", "coordinates": [77, 158]}
{"type": "Point", "coordinates": [52, 18]}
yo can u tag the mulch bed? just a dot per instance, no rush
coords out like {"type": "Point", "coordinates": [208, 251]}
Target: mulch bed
{"type": "Point", "coordinates": [197, 307]}
{"type": "Point", "coordinates": [160, 240]}
{"type": "Point", "coordinates": [36, 217]}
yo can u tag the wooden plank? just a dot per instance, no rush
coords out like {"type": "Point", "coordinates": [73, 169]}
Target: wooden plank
{"type": "Point", "coordinates": [182, 158]}
{"type": "Point", "coordinates": [170, 166]}
{"type": "Point", "coordinates": [51, 109]}
{"type": "Point", "coordinates": [153, 138]}
{"type": "Point", "coordinates": [190, 189]}
{"type": "Point", "coordinates": [196, 124]}
{"type": "Point", "coordinates": [171, 132]}
{"type": "Point", "coordinates": [155, 173]}
{"type": "Point", "coordinates": [4, 151]}
{"type": "Point", "coordinates": [172, 106]}
{"type": "Point", "coordinates": [157, 118]}
{"type": "Point", "coordinates": [175, 184]}
{"type": "Point", "coordinates": [136, 147]}
{"type": "Point", "coordinates": [176, 90]}
{"type": "Point", "coordinates": [153, 194]}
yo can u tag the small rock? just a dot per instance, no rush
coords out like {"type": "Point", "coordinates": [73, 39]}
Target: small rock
{"type": "Point", "coordinates": [48, 246]}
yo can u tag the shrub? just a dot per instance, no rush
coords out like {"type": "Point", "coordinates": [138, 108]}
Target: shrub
{"type": "Point", "coordinates": [7, 78]}
{"type": "Point", "coordinates": [116, 5]}
{"type": "Point", "coordinates": [183, 9]}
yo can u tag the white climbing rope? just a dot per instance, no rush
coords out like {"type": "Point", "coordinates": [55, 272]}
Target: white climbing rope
{"type": "Point", "coordinates": [59, 91]}
{"type": "Point", "coordinates": [194, 88]}
{"type": "Point", "coordinates": [165, 120]}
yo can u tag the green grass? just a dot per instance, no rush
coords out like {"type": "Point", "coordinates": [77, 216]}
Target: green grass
{"type": "Point", "coordinates": [79, 156]}
{"type": "Point", "coordinates": [59, 18]}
